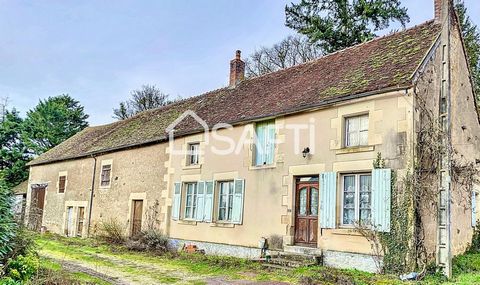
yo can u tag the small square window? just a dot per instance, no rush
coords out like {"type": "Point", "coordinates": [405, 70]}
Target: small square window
{"type": "Point", "coordinates": [62, 181]}
{"type": "Point", "coordinates": [356, 131]}
{"type": "Point", "coordinates": [106, 172]}
{"type": "Point", "coordinates": [193, 154]}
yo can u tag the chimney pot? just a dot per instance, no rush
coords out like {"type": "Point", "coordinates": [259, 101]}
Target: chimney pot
{"type": "Point", "coordinates": [237, 69]}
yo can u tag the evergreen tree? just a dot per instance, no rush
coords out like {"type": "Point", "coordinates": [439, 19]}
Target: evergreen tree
{"type": "Point", "coordinates": [338, 24]}
{"type": "Point", "coordinates": [14, 155]}
{"type": "Point", "coordinates": [471, 36]}
{"type": "Point", "coordinates": [53, 121]}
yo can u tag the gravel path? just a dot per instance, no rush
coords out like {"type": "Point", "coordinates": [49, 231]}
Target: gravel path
{"type": "Point", "coordinates": [125, 272]}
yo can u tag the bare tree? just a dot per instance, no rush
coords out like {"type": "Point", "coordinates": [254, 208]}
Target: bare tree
{"type": "Point", "coordinates": [291, 51]}
{"type": "Point", "coordinates": [146, 98]}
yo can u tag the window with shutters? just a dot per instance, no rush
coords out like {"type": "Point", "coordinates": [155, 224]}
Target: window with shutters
{"type": "Point", "coordinates": [225, 201]}
{"type": "Point", "coordinates": [190, 200]}
{"type": "Point", "coordinates": [105, 175]}
{"type": "Point", "coordinates": [62, 182]}
{"type": "Point", "coordinates": [193, 154]}
{"type": "Point", "coordinates": [356, 199]}
{"type": "Point", "coordinates": [264, 143]}
{"type": "Point", "coordinates": [356, 131]}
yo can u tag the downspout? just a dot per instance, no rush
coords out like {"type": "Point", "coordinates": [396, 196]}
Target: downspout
{"type": "Point", "coordinates": [90, 207]}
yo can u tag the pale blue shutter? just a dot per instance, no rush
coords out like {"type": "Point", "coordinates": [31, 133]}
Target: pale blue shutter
{"type": "Point", "coordinates": [381, 199]}
{"type": "Point", "coordinates": [238, 196]}
{"type": "Point", "coordinates": [474, 209]}
{"type": "Point", "coordinates": [270, 143]}
{"type": "Point", "coordinates": [200, 210]}
{"type": "Point", "coordinates": [177, 196]}
{"type": "Point", "coordinates": [208, 201]}
{"type": "Point", "coordinates": [260, 132]}
{"type": "Point", "coordinates": [328, 200]}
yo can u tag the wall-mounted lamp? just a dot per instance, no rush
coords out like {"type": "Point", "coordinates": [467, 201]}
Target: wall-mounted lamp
{"type": "Point", "coordinates": [305, 152]}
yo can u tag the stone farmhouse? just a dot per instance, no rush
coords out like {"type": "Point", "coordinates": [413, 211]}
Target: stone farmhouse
{"type": "Point", "coordinates": [289, 156]}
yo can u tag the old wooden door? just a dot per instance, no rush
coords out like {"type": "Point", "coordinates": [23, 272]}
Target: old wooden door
{"type": "Point", "coordinates": [137, 217]}
{"type": "Point", "coordinates": [80, 221]}
{"type": "Point", "coordinates": [306, 213]}
{"type": "Point", "coordinates": [36, 210]}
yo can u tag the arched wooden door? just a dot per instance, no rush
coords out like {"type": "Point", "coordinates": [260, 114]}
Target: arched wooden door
{"type": "Point", "coordinates": [306, 213]}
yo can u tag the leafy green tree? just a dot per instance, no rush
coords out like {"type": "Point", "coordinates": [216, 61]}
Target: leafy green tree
{"type": "Point", "coordinates": [53, 121]}
{"type": "Point", "coordinates": [471, 36]}
{"type": "Point", "coordinates": [338, 24]}
{"type": "Point", "coordinates": [14, 154]}
{"type": "Point", "coordinates": [146, 98]}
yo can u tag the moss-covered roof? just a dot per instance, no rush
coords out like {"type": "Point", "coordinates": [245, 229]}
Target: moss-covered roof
{"type": "Point", "coordinates": [385, 62]}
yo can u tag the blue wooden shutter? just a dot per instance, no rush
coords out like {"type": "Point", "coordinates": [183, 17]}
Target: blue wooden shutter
{"type": "Point", "coordinates": [260, 132]}
{"type": "Point", "coordinates": [270, 143]}
{"type": "Point", "coordinates": [381, 199]}
{"type": "Point", "coordinates": [328, 200]}
{"type": "Point", "coordinates": [209, 188]}
{"type": "Point", "coordinates": [177, 196]}
{"type": "Point", "coordinates": [474, 209]}
{"type": "Point", "coordinates": [238, 196]}
{"type": "Point", "coordinates": [200, 206]}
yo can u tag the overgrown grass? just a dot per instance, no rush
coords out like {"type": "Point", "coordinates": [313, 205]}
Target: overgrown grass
{"type": "Point", "coordinates": [200, 267]}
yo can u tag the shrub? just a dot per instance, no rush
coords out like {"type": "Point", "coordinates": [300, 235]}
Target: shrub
{"type": "Point", "coordinates": [151, 240]}
{"type": "Point", "coordinates": [22, 268]}
{"type": "Point", "coordinates": [7, 222]}
{"type": "Point", "coordinates": [475, 246]}
{"type": "Point", "coordinates": [112, 231]}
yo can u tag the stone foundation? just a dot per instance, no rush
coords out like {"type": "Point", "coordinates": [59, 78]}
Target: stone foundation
{"type": "Point", "coordinates": [336, 259]}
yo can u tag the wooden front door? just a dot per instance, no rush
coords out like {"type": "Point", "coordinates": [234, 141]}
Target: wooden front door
{"type": "Point", "coordinates": [137, 217]}
{"type": "Point", "coordinates": [306, 213]}
{"type": "Point", "coordinates": [36, 208]}
{"type": "Point", "coordinates": [80, 221]}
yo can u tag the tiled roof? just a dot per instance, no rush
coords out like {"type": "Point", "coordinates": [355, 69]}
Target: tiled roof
{"type": "Point", "coordinates": [383, 63]}
{"type": "Point", "coordinates": [21, 188]}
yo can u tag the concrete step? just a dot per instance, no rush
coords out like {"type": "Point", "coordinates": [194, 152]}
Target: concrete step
{"type": "Point", "coordinates": [291, 263]}
{"type": "Point", "coordinates": [294, 249]}
{"type": "Point", "coordinates": [275, 266]}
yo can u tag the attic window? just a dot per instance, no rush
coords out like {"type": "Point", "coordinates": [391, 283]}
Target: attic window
{"type": "Point", "coordinates": [106, 171]}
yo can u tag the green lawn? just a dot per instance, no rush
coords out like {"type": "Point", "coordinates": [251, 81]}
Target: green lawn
{"type": "Point", "coordinates": [195, 269]}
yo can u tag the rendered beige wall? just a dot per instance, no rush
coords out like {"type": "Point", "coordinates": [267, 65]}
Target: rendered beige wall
{"type": "Point", "coordinates": [269, 194]}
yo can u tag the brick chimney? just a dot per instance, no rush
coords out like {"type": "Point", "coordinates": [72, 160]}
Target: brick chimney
{"type": "Point", "coordinates": [237, 70]}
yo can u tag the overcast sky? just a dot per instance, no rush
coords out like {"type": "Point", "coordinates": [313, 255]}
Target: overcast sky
{"type": "Point", "coordinates": [98, 51]}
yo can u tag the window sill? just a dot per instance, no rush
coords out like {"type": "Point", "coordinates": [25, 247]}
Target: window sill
{"type": "Point", "coordinates": [259, 167]}
{"type": "Point", "coordinates": [222, 225]}
{"type": "Point", "coordinates": [355, 149]}
{"type": "Point", "coordinates": [104, 187]}
{"type": "Point", "coordinates": [196, 166]}
{"type": "Point", "coordinates": [187, 222]}
{"type": "Point", "coordinates": [346, 231]}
